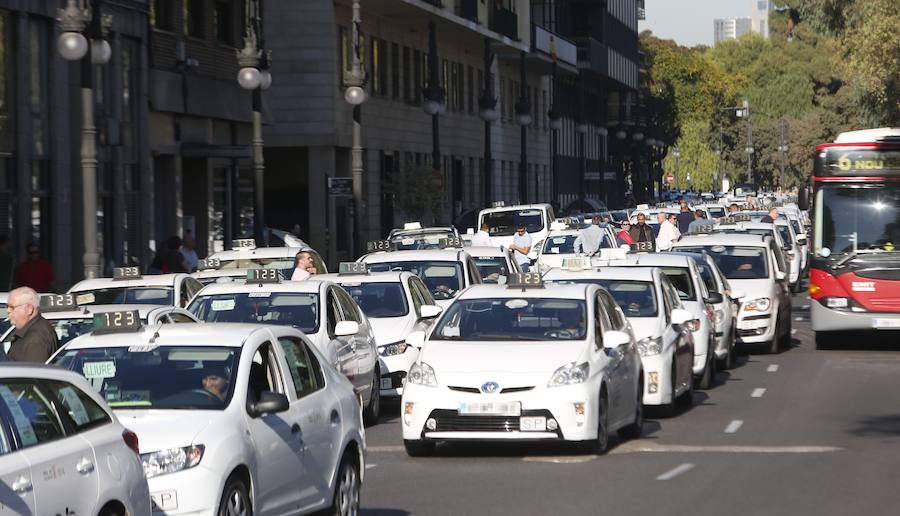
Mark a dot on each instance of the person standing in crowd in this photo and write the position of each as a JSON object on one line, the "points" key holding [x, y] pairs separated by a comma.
{"points": [[304, 267], [7, 265], [522, 246], [34, 339], [35, 272], [191, 260], [668, 234], [699, 220], [173, 260], [733, 208], [770, 217], [641, 232], [589, 238], [483, 237], [623, 237], [685, 217], [751, 202]]}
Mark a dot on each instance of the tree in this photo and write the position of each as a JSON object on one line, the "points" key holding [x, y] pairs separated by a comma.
{"points": [[418, 192]]}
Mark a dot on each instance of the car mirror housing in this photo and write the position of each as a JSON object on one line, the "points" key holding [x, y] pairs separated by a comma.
{"points": [[681, 316], [269, 403], [613, 339], [430, 311], [737, 294], [714, 298], [346, 328], [780, 275]]}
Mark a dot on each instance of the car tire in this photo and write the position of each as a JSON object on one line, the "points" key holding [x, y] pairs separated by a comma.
{"points": [[687, 397], [670, 409], [775, 345], [599, 445], [709, 374], [731, 359], [373, 410], [786, 338], [419, 448], [633, 431], [347, 489], [235, 499]]}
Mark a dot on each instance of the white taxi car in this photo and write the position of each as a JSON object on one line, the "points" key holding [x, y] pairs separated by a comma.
{"points": [[235, 263], [783, 240], [510, 363], [446, 272], [660, 326], [396, 304], [413, 236], [503, 221], [232, 419], [62, 451], [559, 246], [128, 286], [495, 264], [754, 265]]}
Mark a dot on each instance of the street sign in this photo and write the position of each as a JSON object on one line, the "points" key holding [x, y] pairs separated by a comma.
{"points": [[670, 179], [340, 186]]}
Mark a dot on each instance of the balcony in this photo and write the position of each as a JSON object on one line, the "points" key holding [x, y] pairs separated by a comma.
{"points": [[467, 9], [505, 22]]}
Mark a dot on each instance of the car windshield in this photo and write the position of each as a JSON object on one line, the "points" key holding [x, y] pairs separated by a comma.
{"points": [[380, 299], [736, 262], [167, 377], [504, 223], [300, 310], [852, 219], [259, 263], [681, 280], [410, 240], [66, 329], [443, 278], [619, 215], [126, 295], [513, 319], [559, 244], [716, 211], [491, 268], [635, 298]]}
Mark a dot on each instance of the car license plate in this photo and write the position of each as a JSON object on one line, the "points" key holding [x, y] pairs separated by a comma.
{"points": [[386, 383], [164, 500], [533, 424], [513, 408], [881, 322], [754, 324]]}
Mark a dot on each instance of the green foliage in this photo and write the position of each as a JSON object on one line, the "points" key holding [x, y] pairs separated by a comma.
{"points": [[418, 192], [697, 158]]}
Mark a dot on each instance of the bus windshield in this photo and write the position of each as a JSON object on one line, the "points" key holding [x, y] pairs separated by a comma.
{"points": [[857, 219]]}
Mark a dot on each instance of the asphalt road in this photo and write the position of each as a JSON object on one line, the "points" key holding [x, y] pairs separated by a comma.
{"points": [[800, 432]]}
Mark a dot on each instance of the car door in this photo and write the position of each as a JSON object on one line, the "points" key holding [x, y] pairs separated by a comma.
{"points": [[420, 296], [64, 478], [363, 343], [278, 445], [631, 360], [318, 412], [684, 354], [339, 348], [16, 486], [616, 363]]}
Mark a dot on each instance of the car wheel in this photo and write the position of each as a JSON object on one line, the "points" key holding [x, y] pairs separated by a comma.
{"points": [[418, 448], [731, 359], [373, 409], [687, 397], [599, 445], [709, 373], [346, 491], [775, 345], [786, 338], [235, 499], [671, 408], [633, 431]]}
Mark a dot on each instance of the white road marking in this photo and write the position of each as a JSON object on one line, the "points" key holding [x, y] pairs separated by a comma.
{"points": [[758, 392], [385, 449], [672, 473], [734, 426], [370, 466], [772, 368], [575, 459], [644, 446]]}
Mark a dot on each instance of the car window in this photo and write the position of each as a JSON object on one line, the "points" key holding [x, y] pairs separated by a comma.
{"points": [[615, 317], [333, 312], [681, 280], [84, 412], [474, 273], [416, 296], [180, 318], [779, 257], [33, 416], [306, 374], [265, 374], [601, 321], [351, 311], [425, 294]]}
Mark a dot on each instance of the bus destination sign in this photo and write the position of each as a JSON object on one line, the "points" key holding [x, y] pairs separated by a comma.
{"points": [[842, 161]]}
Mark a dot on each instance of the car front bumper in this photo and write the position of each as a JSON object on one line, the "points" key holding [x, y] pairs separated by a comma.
{"points": [[755, 328], [826, 319], [657, 379], [190, 492], [394, 369]]}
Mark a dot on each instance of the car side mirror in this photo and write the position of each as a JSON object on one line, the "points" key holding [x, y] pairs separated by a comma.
{"points": [[430, 311], [416, 338], [714, 298], [346, 328], [737, 294], [801, 239], [269, 403], [680, 317], [614, 338]]}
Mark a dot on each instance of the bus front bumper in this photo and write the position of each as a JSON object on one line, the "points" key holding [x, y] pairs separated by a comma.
{"points": [[826, 319]]}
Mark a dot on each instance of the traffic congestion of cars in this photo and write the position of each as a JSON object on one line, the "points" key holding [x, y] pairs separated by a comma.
{"points": [[237, 390]]}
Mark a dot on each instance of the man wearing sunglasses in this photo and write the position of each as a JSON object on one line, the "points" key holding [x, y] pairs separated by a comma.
{"points": [[34, 339]]}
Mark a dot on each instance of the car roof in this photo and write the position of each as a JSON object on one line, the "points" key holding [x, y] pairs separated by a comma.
{"points": [[311, 286], [261, 252], [606, 272], [502, 291], [88, 311], [221, 273], [397, 232], [372, 277], [722, 238], [232, 335], [514, 207], [563, 232], [477, 251], [414, 255], [149, 280]]}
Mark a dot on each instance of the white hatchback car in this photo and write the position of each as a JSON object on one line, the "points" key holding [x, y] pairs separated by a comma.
{"points": [[396, 304], [322, 310], [660, 326], [127, 286], [446, 272], [232, 419], [62, 451], [531, 364]]}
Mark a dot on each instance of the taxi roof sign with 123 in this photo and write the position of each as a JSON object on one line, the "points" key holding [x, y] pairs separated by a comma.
{"points": [[350, 268], [117, 322], [263, 276], [58, 302], [126, 273]]}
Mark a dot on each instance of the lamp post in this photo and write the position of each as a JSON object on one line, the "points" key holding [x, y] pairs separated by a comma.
{"points": [[487, 111], [254, 75], [555, 122], [677, 153], [638, 137], [79, 22], [434, 96], [782, 148], [355, 95], [745, 112], [524, 119]]}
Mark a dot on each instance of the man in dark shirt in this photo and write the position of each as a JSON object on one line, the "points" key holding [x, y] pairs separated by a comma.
{"points": [[685, 217], [34, 339], [770, 217], [641, 232]]}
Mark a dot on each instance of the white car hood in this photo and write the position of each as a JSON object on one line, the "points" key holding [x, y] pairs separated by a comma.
{"points": [[753, 288], [480, 358], [391, 329], [644, 327], [162, 429]]}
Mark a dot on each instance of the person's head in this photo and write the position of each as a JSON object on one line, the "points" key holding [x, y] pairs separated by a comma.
{"points": [[520, 229], [303, 260], [4, 243], [626, 225], [215, 380], [173, 243], [485, 227], [22, 306], [698, 214], [569, 319], [33, 251], [596, 220], [733, 208], [749, 199], [673, 218], [773, 213], [660, 217], [641, 218], [189, 241], [683, 205]]}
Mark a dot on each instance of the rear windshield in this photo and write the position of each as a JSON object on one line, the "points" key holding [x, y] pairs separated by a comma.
{"points": [[443, 278], [504, 223], [382, 299], [736, 262], [126, 295], [635, 298], [300, 310], [491, 268]]}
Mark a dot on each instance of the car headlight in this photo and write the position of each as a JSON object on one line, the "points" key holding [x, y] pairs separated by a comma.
{"points": [[171, 460], [570, 374], [395, 348], [650, 346], [421, 374], [758, 305]]}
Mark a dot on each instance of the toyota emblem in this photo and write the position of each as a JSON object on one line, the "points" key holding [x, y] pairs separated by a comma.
{"points": [[490, 387]]}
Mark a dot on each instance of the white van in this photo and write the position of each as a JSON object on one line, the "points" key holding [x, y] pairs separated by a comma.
{"points": [[503, 221]]}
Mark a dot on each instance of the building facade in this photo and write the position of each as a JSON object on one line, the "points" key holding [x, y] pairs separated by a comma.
{"points": [[760, 16], [730, 28]]}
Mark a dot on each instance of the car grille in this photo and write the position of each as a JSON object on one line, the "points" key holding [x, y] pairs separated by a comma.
{"points": [[474, 390], [451, 421], [396, 379], [515, 389], [753, 333]]}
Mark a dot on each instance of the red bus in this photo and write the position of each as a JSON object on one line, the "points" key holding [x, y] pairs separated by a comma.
{"points": [[854, 277]]}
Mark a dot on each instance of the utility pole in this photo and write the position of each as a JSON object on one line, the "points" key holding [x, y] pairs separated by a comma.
{"points": [[782, 149]]}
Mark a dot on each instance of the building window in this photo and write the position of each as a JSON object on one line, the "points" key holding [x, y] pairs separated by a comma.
{"points": [[6, 130], [407, 76], [192, 13], [470, 90], [379, 70], [37, 74], [162, 13], [223, 17], [417, 77], [395, 71]]}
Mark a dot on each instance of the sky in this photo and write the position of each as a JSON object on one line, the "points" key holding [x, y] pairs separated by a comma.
{"points": [[690, 22]]}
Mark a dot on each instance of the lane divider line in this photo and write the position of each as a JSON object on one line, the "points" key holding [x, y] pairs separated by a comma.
{"points": [[672, 473], [772, 368], [734, 426], [758, 392]]}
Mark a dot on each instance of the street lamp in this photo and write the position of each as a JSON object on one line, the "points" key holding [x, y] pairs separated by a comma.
{"points": [[487, 111], [677, 153], [254, 75], [355, 95], [434, 96], [524, 119], [79, 22], [782, 148]]}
